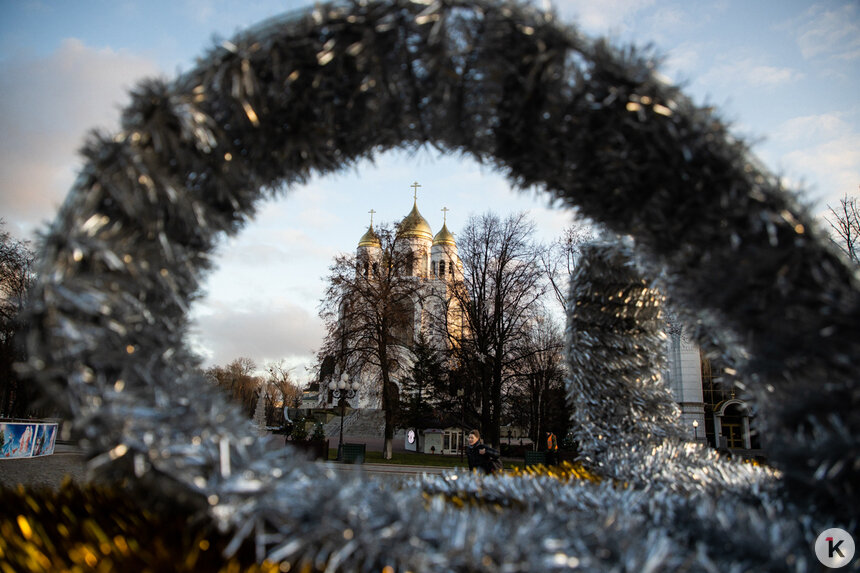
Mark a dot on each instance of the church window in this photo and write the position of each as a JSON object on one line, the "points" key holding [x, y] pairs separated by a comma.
{"points": [[403, 323], [433, 268], [375, 269], [451, 266], [366, 269], [442, 269]]}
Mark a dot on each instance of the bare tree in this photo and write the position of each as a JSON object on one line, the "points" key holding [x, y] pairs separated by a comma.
{"points": [[369, 309], [237, 379], [537, 388], [560, 259], [281, 390], [502, 285], [16, 278], [845, 221]]}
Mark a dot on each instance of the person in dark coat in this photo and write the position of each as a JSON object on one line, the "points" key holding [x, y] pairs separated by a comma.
{"points": [[480, 455]]}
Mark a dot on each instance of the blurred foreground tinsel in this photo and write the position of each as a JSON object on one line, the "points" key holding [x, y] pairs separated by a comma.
{"points": [[738, 257], [98, 528]]}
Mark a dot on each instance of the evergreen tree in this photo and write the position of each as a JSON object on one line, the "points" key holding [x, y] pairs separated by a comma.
{"points": [[425, 388]]}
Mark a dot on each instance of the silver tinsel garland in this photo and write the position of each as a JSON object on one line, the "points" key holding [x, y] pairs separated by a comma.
{"points": [[508, 85], [616, 357], [625, 419]]}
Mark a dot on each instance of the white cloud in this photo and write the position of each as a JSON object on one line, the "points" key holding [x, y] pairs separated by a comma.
{"points": [[683, 61], [605, 16], [666, 22], [250, 254], [829, 31], [46, 107], [749, 72], [834, 164], [229, 16], [273, 245], [264, 332], [820, 151], [812, 128], [551, 222]]}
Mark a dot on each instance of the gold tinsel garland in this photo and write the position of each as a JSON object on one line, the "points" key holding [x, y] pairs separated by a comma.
{"points": [[95, 527]]}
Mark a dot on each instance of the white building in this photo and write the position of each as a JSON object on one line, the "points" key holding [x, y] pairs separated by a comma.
{"points": [[711, 413], [433, 263]]}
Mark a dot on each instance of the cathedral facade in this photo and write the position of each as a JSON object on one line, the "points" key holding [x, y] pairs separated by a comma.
{"points": [[434, 267], [710, 413]]}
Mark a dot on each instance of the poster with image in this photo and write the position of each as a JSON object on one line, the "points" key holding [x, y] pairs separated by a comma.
{"points": [[46, 436], [16, 440]]}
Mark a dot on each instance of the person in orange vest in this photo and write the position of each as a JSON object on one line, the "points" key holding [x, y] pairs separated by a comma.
{"points": [[551, 449]]}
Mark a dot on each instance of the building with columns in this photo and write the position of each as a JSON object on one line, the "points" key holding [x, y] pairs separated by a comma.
{"points": [[710, 413]]}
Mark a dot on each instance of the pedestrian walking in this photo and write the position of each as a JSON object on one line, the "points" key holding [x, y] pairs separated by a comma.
{"points": [[551, 449], [481, 456]]}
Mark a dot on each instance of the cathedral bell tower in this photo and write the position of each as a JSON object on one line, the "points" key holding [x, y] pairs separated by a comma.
{"points": [[432, 262], [369, 251], [415, 239], [445, 265]]}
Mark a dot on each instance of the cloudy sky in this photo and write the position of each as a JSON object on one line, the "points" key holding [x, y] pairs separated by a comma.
{"points": [[786, 73]]}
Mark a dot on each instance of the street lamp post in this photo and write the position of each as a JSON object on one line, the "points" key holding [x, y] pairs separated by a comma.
{"points": [[460, 394], [342, 391], [696, 429]]}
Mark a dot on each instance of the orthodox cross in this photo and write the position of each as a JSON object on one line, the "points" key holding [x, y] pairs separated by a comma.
{"points": [[445, 214], [415, 187], [371, 216]]}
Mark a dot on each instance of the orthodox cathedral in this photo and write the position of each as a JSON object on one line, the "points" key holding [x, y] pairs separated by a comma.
{"points": [[710, 413], [433, 263]]}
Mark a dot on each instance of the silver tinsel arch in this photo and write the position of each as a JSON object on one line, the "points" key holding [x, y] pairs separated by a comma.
{"points": [[504, 84]]}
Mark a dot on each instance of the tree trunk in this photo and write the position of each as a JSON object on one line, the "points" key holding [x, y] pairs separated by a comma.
{"points": [[497, 416], [496, 398], [388, 403], [486, 401], [388, 407], [537, 411]]}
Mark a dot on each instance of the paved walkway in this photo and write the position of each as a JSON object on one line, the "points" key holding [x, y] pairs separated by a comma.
{"points": [[388, 470], [67, 460], [46, 471]]}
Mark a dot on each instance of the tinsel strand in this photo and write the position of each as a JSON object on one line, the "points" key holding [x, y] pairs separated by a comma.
{"points": [[506, 84]]}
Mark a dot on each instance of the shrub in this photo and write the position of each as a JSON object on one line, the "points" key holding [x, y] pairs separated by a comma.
{"points": [[300, 430], [319, 432]]}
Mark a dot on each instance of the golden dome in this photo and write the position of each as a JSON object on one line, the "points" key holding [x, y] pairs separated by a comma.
{"points": [[444, 237], [416, 226], [370, 239]]}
